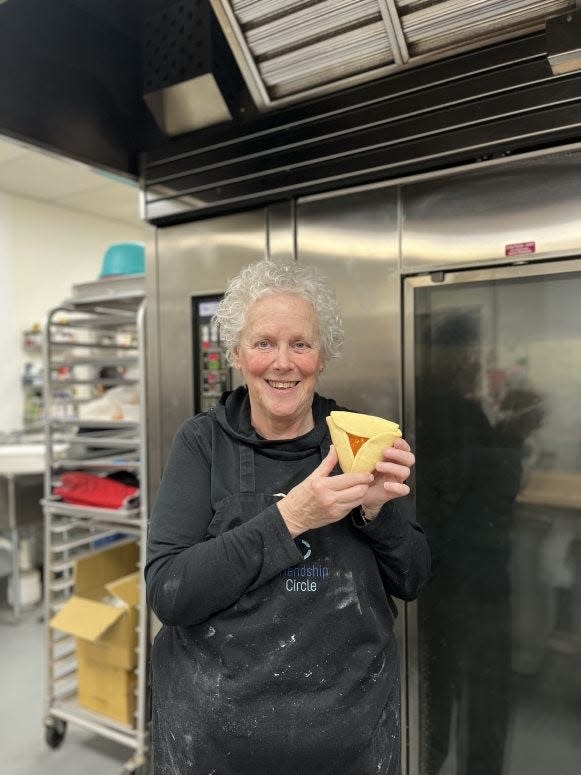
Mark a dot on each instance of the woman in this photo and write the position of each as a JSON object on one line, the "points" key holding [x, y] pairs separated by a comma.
{"points": [[272, 571]]}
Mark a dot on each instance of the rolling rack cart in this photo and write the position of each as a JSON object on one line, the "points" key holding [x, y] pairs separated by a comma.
{"points": [[101, 325]]}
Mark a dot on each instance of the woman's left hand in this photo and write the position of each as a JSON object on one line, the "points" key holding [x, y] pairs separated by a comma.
{"points": [[390, 475]]}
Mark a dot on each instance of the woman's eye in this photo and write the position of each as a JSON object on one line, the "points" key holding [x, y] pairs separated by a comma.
{"points": [[301, 346], [263, 344]]}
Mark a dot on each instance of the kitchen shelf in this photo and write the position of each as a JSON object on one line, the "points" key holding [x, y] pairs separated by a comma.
{"points": [[128, 516], [101, 324]]}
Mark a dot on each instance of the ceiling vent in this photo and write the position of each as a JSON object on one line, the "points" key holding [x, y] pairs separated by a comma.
{"points": [[289, 50]]}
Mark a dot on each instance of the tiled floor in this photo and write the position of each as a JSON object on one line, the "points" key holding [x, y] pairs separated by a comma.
{"points": [[23, 750]]}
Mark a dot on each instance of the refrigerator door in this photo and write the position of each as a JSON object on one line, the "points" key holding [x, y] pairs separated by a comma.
{"points": [[188, 263], [492, 386]]}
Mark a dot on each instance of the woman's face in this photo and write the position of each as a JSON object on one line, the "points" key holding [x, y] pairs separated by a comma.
{"points": [[280, 359]]}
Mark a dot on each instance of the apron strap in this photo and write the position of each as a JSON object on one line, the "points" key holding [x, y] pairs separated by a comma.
{"points": [[247, 479]]}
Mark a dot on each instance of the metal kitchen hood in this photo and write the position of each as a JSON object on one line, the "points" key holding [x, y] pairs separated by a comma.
{"points": [[291, 50]]}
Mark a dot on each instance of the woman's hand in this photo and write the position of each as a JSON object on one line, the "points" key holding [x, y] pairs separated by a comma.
{"points": [[390, 476], [322, 499]]}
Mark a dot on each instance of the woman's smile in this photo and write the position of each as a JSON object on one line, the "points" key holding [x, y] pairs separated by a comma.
{"points": [[278, 385]]}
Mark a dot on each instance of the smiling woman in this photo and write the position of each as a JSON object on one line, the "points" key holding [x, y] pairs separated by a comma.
{"points": [[257, 537], [280, 359]]}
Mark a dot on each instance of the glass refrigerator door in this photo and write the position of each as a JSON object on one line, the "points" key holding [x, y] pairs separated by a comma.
{"points": [[212, 373], [493, 395]]}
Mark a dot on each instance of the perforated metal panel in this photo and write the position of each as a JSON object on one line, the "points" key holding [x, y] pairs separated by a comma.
{"points": [[175, 44], [190, 79]]}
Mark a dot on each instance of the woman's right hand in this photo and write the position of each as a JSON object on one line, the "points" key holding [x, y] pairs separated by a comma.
{"points": [[322, 499]]}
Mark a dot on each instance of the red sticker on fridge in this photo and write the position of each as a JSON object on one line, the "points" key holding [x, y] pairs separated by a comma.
{"points": [[519, 248]]}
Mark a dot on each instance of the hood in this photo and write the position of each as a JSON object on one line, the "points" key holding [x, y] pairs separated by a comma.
{"points": [[290, 50], [233, 415]]}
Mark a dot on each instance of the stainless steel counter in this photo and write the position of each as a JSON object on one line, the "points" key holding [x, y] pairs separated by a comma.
{"points": [[21, 488]]}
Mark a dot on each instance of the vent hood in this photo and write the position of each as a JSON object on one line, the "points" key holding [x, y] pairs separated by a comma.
{"points": [[291, 50]]}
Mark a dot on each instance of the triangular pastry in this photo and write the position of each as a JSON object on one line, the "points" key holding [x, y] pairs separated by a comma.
{"points": [[360, 438]]}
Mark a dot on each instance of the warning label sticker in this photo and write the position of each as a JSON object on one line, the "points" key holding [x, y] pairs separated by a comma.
{"points": [[519, 248]]}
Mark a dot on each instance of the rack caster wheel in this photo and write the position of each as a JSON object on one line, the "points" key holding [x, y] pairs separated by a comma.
{"points": [[54, 732], [133, 768]]}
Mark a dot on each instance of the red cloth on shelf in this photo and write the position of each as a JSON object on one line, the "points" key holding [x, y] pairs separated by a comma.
{"points": [[82, 489]]}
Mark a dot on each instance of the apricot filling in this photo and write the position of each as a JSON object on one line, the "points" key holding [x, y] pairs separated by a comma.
{"points": [[356, 442]]}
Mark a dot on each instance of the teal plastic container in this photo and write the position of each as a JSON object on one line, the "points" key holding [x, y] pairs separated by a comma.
{"points": [[123, 258]]}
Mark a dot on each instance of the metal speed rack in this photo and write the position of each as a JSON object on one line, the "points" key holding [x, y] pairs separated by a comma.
{"points": [[101, 325]]}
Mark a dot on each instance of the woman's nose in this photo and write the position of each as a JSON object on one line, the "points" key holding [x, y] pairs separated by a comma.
{"points": [[282, 360]]}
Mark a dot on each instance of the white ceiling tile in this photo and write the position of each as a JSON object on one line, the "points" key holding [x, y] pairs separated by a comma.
{"points": [[45, 177], [10, 150], [32, 173], [109, 199]]}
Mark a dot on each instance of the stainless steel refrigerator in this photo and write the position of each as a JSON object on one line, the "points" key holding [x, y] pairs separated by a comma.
{"points": [[461, 302]]}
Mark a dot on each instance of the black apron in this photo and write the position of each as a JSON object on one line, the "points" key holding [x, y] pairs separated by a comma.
{"points": [[300, 676]]}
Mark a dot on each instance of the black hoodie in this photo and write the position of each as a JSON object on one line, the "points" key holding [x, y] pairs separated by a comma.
{"points": [[277, 656]]}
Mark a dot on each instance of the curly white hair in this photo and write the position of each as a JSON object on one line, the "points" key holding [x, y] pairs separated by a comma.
{"points": [[264, 277]]}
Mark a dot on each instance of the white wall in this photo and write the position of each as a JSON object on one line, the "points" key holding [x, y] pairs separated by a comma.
{"points": [[44, 250], [10, 400]]}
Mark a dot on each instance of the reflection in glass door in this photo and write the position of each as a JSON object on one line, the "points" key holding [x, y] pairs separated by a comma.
{"points": [[493, 398]]}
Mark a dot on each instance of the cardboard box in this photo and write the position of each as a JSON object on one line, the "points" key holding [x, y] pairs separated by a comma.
{"points": [[102, 615], [105, 689]]}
